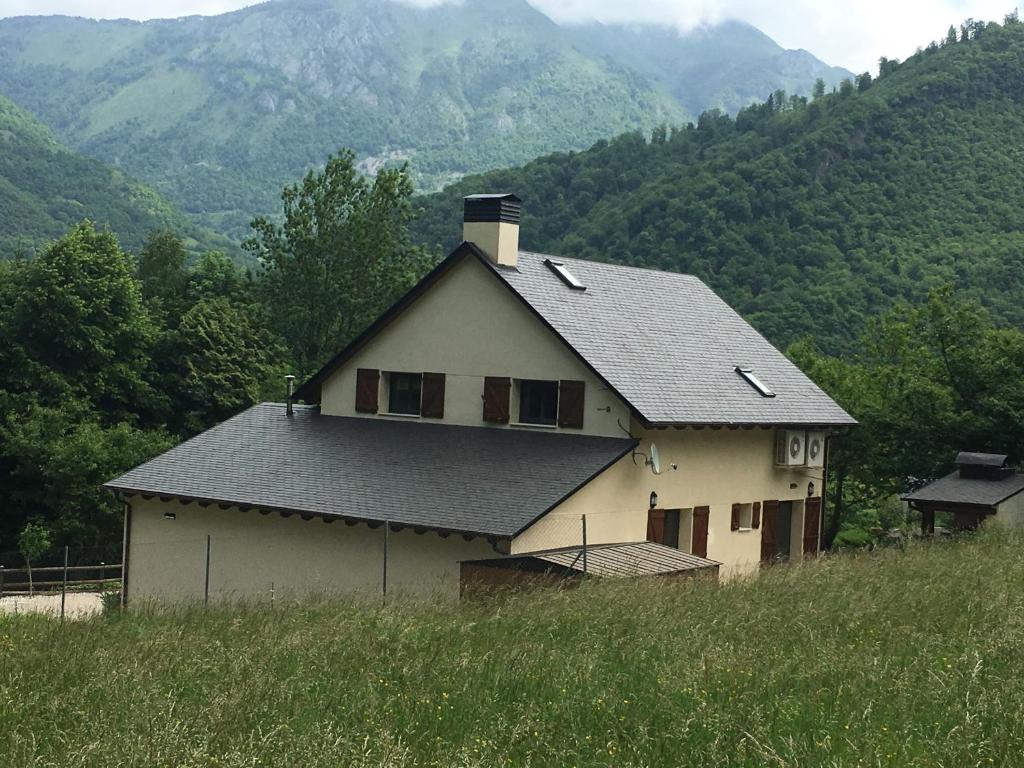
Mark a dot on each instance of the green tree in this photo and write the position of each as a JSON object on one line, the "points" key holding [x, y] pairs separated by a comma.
{"points": [[342, 255], [33, 541], [818, 92], [162, 272]]}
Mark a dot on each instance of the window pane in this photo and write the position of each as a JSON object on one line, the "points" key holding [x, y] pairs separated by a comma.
{"points": [[538, 402], [404, 393]]}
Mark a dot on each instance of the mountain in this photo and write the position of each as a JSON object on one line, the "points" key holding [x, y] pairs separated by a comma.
{"points": [[219, 113], [809, 218], [726, 66], [45, 188]]}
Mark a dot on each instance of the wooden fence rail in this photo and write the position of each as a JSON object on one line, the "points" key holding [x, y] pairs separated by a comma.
{"points": [[10, 587]]}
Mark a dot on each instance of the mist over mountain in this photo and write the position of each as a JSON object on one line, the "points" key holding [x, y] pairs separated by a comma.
{"points": [[218, 113]]}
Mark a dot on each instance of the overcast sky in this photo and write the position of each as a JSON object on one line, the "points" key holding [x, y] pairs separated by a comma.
{"points": [[852, 35]]}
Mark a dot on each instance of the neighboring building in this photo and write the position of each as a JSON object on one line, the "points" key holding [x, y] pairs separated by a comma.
{"points": [[505, 397], [980, 487]]}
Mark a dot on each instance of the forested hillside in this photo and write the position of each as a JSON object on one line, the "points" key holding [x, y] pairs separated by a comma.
{"points": [[45, 188], [219, 113], [809, 216]]}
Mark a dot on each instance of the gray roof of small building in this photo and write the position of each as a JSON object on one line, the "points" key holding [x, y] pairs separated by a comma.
{"points": [[488, 481], [954, 489], [969, 458], [669, 345], [639, 558]]}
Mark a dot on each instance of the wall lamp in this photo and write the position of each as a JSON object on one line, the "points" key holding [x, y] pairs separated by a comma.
{"points": [[810, 489], [654, 500]]}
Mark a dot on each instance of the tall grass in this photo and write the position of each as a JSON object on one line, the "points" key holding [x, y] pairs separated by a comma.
{"points": [[909, 658]]}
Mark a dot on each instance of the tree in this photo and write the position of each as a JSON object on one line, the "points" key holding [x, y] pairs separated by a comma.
{"points": [[340, 257], [819, 89], [162, 271], [33, 541]]}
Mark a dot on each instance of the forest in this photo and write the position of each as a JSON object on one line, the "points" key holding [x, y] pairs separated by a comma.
{"points": [[874, 233]]}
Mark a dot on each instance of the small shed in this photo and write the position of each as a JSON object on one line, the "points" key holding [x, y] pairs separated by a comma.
{"points": [[570, 564], [981, 486]]}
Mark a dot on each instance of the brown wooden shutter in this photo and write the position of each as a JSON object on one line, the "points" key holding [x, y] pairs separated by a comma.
{"points": [[700, 531], [734, 524], [570, 404], [432, 406], [496, 397], [656, 526], [771, 519], [755, 516], [367, 389], [812, 526]]}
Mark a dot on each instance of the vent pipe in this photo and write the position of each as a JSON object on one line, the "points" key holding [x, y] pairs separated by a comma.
{"points": [[291, 387], [491, 223]]}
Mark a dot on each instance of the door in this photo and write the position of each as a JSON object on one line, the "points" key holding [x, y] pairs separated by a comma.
{"points": [[700, 531], [769, 526], [812, 526], [663, 527]]}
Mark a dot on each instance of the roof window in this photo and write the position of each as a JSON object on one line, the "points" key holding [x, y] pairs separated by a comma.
{"points": [[755, 382], [563, 272]]}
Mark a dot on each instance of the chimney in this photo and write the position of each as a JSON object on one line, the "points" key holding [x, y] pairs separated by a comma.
{"points": [[491, 223], [291, 386]]}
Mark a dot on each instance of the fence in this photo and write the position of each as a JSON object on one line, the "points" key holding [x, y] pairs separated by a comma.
{"points": [[74, 574]]}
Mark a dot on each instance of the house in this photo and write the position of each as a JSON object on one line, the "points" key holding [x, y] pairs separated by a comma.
{"points": [[510, 407], [982, 486]]}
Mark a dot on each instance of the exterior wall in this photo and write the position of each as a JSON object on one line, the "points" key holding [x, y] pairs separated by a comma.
{"points": [[469, 326], [716, 468], [499, 240], [250, 552], [1011, 512]]}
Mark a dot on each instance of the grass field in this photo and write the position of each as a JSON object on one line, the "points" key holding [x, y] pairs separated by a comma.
{"points": [[909, 658]]}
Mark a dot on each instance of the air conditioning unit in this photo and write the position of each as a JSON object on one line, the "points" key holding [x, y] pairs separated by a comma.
{"points": [[791, 448], [816, 449]]}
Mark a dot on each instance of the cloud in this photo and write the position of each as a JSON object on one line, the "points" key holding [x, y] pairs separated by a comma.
{"points": [[853, 35]]}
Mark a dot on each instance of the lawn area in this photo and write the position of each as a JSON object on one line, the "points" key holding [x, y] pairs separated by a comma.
{"points": [[911, 658]]}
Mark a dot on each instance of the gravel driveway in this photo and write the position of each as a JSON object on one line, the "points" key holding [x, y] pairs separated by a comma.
{"points": [[79, 605]]}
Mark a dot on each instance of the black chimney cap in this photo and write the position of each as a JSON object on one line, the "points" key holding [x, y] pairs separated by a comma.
{"points": [[504, 207]]}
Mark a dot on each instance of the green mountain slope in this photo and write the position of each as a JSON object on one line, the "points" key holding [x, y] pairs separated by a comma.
{"points": [[45, 188], [808, 218], [219, 113]]}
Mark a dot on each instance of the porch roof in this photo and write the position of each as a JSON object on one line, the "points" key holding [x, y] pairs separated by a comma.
{"points": [[637, 558]]}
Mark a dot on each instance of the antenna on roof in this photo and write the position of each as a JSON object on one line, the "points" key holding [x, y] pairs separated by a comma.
{"points": [[291, 386]]}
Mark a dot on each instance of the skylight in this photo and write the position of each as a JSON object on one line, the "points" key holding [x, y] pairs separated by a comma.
{"points": [[755, 382], [563, 272]]}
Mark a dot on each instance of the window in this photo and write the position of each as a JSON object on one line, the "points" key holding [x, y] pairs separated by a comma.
{"points": [[755, 382], [538, 402], [742, 517], [404, 393], [566, 276]]}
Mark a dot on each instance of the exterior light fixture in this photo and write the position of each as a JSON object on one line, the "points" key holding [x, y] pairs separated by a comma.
{"points": [[169, 516], [810, 488], [654, 500]]}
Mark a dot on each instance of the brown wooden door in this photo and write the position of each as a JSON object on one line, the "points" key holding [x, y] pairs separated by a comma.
{"points": [[812, 526], [700, 530], [769, 525], [656, 526]]}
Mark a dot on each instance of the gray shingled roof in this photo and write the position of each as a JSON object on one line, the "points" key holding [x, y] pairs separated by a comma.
{"points": [[639, 558], [466, 479], [668, 345], [954, 489]]}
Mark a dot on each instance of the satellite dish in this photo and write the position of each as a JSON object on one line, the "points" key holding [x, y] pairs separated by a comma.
{"points": [[654, 462]]}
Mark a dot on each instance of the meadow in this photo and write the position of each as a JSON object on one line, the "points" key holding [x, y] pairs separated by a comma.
{"points": [[895, 658]]}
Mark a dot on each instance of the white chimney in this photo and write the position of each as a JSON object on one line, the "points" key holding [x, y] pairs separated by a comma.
{"points": [[491, 223]]}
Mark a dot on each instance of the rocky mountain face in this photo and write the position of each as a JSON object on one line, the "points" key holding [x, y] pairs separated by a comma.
{"points": [[219, 113]]}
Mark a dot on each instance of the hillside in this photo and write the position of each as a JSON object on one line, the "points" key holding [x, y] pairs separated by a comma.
{"points": [[219, 113], [810, 218], [45, 189], [887, 659]]}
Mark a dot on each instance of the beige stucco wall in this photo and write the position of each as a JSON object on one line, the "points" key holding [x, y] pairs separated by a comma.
{"points": [[250, 552], [1011, 512], [469, 326], [716, 468]]}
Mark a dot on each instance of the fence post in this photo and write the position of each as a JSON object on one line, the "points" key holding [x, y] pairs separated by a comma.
{"points": [[584, 545], [64, 585], [206, 582], [384, 577]]}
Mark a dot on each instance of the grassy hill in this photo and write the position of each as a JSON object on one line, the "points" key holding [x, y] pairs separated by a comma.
{"points": [[45, 189], [887, 659], [219, 113], [810, 218]]}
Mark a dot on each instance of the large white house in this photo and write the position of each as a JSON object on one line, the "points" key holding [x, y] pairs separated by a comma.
{"points": [[474, 425]]}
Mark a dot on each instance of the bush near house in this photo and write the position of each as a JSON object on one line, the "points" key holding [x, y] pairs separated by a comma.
{"points": [[893, 658]]}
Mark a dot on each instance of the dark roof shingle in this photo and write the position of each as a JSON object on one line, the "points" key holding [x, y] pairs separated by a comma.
{"points": [[466, 479]]}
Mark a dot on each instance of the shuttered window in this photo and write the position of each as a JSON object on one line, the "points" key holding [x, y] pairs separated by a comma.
{"points": [[496, 399], [734, 523], [812, 526], [755, 516], [367, 389], [433, 396], [571, 395]]}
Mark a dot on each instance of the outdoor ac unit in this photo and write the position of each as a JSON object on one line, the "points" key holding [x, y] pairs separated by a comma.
{"points": [[815, 449], [791, 448]]}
